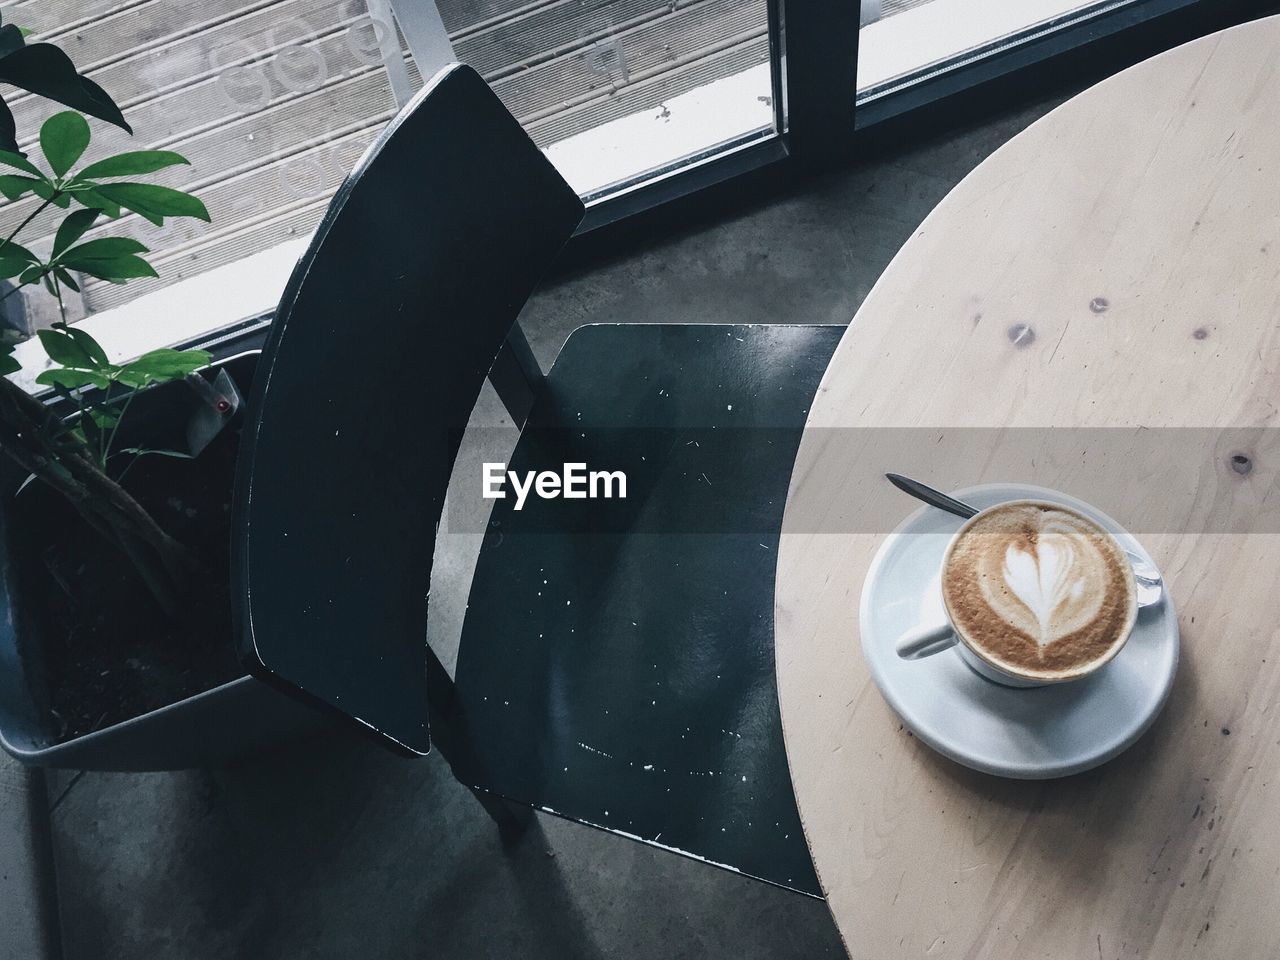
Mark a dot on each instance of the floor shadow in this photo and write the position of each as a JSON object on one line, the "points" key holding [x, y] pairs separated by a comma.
{"points": [[334, 849]]}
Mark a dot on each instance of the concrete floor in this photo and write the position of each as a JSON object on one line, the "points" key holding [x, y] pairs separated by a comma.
{"points": [[340, 850]]}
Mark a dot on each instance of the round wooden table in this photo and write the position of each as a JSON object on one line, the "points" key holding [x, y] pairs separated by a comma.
{"points": [[1116, 265]]}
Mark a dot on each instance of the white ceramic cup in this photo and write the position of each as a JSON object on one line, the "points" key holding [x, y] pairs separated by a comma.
{"points": [[927, 639]]}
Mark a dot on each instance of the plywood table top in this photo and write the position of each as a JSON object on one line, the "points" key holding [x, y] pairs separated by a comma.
{"points": [[1114, 268]]}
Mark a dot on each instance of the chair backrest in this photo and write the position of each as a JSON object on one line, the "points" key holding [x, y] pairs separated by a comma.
{"points": [[377, 354]]}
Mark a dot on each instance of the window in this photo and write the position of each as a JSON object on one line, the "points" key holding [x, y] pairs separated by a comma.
{"points": [[635, 101], [272, 103], [617, 89]]}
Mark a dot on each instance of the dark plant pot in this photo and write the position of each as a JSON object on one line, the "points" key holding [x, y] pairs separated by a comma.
{"points": [[231, 721], [228, 724]]}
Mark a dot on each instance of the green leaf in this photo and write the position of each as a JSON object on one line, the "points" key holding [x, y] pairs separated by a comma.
{"points": [[73, 227], [8, 130], [90, 197], [103, 248], [8, 363], [31, 274], [72, 379], [133, 164], [22, 163], [154, 202], [46, 191], [15, 186], [162, 365], [113, 269], [11, 38], [43, 69], [93, 350], [64, 138], [64, 349], [93, 434], [66, 279], [15, 259], [104, 418], [12, 248]]}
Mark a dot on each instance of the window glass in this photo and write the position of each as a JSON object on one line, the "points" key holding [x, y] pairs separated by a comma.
{"points": [[902, 41], [617, 89], [271, 102]]}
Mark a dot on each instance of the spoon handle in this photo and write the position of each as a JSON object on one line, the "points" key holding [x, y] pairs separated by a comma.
{"points": [[935, 498]]}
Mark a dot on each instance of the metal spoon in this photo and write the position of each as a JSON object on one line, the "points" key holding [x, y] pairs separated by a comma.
{"points": [[1145, 575]]}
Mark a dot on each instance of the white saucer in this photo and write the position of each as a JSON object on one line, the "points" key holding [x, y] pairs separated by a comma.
{"points": [[1034, 734]]}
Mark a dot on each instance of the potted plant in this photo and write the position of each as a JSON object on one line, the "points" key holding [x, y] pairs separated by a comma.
{"points": [[115, 641]]}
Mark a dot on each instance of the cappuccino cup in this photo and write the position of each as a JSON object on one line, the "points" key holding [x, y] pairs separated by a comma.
{"points": [[1034, 593]]}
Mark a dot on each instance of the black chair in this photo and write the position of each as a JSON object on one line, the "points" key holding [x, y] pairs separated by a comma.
{"points": [[616, 661]]}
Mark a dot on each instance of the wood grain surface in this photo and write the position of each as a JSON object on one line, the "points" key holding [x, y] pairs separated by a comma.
{"points": [[1116, 265]]}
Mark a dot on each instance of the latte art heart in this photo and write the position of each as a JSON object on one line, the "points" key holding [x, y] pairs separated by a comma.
{"points": [[1038, 589], [1047, 592]]}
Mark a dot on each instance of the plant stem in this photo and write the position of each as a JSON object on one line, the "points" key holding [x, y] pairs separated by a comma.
{"points": [[79, 394], [15, 290], [164, 564], [35, 213], [111, 437], [57, 292]]}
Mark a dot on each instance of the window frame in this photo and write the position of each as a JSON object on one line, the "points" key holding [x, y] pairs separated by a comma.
{"points": [[813, 46], [820, 120]]}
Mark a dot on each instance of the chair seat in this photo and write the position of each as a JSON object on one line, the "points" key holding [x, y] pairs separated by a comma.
{"points": [[616, 664]]}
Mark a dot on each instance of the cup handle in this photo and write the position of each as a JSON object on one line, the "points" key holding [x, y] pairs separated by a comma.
{"points": [[925, 640]]}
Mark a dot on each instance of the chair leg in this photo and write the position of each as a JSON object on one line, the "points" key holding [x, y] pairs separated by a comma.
{"points": [[448, 735], [513, 819]]}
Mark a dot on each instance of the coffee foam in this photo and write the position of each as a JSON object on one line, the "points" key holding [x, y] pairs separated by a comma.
{"points": [[1039, 590]]}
